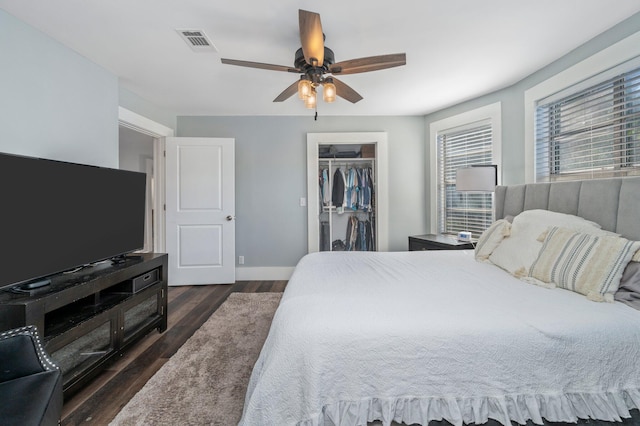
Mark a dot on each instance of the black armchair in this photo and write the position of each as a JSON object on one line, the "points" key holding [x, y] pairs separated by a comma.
{"points": [[30, 383]]}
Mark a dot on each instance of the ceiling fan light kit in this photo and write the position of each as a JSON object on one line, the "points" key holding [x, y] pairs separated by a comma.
{"points": [[313, 60]]}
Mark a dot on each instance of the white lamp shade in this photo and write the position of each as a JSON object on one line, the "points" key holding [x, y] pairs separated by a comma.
{"points": [[476, 179]]}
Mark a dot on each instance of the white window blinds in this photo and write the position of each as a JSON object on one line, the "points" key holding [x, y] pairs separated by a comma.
{"points": [[462, 147], [591, 133]]}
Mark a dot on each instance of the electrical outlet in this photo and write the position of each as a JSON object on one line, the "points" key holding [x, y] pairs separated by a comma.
{"points": [[303, 202], [240, 260]]}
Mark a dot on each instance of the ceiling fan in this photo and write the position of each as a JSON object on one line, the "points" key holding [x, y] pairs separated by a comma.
{"points": [[315, 64]]}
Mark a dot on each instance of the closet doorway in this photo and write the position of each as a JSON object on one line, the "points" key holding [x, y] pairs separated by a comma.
{"points": [[326, 224]]}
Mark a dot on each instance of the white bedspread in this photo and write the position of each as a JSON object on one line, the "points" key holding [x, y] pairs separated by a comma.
{"points": [[419, 336]]}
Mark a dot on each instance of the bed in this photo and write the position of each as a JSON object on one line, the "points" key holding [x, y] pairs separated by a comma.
{"points": [[415, 337]]}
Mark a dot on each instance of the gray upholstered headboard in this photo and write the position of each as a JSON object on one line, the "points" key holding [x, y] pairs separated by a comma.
{"points": [[613, 203]]}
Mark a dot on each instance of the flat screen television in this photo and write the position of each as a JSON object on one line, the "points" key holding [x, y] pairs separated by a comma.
{"points": [[57, 216]]}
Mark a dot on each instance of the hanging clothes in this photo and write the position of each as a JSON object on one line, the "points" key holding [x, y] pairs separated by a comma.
{"points": [[352, 230], [340, 210], [366, 190], [325, 236], [337, 192], [360, 188], [348, 189], [353, 186], [361, 240], [371, 242], [359, 235], [325, 193]]}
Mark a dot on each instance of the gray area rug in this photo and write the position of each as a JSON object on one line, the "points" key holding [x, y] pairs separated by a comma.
{"points": [[204, 383]]}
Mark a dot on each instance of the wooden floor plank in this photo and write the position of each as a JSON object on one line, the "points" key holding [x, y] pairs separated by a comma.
{"points": [[278, 286], [247, 286], [189, 307]]}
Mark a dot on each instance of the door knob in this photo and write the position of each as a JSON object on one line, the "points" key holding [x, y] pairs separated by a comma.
{"points": [[230, 218]]}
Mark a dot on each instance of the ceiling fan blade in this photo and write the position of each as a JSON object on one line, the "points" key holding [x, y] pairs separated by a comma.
{"points": [[311, 37], [371, 63], [287, 93], [259, 65], [346, 92]]}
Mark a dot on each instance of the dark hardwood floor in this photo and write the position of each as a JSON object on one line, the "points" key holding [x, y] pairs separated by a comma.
{"points": [[189, 307]]}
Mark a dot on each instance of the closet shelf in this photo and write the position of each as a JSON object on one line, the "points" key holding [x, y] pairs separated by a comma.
{"points": [[333, 209]]}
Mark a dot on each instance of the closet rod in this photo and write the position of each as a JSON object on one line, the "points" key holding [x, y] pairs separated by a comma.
{"points": [[347, 160]]}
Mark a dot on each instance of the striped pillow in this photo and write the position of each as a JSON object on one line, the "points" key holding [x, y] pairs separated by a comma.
{"points": [[587, 264], [490, 239]]}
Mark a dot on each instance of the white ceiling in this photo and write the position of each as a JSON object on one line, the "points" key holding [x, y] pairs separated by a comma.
{"points": [[456, 49]]}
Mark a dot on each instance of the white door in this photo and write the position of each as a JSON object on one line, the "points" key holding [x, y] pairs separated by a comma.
{"points": [[200, 217]]}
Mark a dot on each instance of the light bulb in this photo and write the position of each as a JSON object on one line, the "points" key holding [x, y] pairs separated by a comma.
{"points": [[304, 88], [328, 91], [310, 101]]}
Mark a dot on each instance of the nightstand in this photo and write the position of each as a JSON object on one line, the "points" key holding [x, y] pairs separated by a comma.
{"points": [[437, 242]]}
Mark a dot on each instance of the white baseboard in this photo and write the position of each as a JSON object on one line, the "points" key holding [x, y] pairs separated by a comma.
{"points": [[271, 273]]}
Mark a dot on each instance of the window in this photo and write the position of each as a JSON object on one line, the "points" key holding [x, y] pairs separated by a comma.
{"points": [[590, 132], [463, 147], [470, 138]]}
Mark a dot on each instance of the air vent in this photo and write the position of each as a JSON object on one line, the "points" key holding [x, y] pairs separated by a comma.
{"points": [[197, 40]]}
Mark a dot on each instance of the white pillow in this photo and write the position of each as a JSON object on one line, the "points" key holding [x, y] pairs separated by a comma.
{"points": [[490, 239], [517, 252], [587, 264]]}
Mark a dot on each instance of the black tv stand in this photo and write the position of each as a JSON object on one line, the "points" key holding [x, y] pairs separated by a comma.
{"points": [[88, 318]]}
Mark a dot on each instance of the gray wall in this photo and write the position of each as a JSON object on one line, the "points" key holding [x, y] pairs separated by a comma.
{"points": [[135, 103], [512, 98], [271, 173], [54, 103]]}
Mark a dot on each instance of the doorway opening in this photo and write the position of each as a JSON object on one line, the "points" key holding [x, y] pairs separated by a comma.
{"points": [[135, 154], [142, 146]]}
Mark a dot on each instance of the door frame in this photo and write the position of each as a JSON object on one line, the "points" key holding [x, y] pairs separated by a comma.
{"points": [[314, 140], [159, 132]]}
